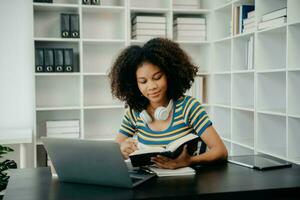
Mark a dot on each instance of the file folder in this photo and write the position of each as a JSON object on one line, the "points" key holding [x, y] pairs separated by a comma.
{"points": [[58, 60], [86, 2], [95, 2], [39, 60], [65, 25], [68, 60], [74, 25], [49, 60]]}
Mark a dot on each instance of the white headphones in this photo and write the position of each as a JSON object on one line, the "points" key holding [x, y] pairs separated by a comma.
{"points": [[160, 113]]}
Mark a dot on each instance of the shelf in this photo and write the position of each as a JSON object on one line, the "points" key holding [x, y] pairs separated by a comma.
{"points": [[191, 11], [61, 40], [222, 121], [271, 133], [59, 7], [98, 57], [222, 61], [240, 53], [222, 89], [222, 22], [102, 41], [221, 106], [293, 47], [150, 10], [241, 83], [103, 107], [97, 92], [223, 5], [272, 112], [57, 91], [243, 108], [293, 93], [49, 115], [98, 123], [243, 71], [270, 54], [293, 11], [274, 29], [97, 9], [58, 108], [58, 74], [243, 127], [269, 98], [243, 35], [47, 20], [153, 4], [93, 24]]}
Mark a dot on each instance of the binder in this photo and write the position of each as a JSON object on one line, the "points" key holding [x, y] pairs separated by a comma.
{"points": [[58, 60], [65, 25], [68, 60], [49, 60], [41, 155], [95, 2], [74, 25], [86, 2], [39, 60]]}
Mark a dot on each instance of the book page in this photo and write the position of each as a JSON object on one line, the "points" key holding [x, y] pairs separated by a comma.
{"points": [[173, 172], [175, 144], [143, 149]]}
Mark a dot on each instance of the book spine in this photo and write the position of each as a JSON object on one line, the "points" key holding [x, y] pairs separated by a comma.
{"points": [[147, 19], [62, 123], [190, 27], [272, 23], [186, 20], [148, 26], [148, 32]]}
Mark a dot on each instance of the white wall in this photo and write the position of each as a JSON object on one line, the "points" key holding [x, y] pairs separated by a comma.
{"points": [[16, 68]]}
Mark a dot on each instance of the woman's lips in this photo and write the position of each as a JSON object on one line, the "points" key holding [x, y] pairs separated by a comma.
{"points": [[155, 94]]}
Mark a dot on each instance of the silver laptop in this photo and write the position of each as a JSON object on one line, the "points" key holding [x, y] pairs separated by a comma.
{"points": [[92, 162]]}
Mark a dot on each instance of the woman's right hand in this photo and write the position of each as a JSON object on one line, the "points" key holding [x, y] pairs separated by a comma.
{"points": [[128, 146]]}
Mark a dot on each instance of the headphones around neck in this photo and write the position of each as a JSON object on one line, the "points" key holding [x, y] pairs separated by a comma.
{"points": [[160, 113]]}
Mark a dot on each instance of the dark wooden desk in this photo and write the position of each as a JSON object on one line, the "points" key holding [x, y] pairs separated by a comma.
{"points": [[226, 181]]}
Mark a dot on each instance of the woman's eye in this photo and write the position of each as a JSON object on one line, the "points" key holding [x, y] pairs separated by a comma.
{"points": [[157, 77]]}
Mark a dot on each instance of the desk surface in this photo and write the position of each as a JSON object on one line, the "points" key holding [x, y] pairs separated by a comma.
{"points": [[226, 181]]}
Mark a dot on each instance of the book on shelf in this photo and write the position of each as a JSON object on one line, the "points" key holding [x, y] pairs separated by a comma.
{"points": [[184, 171], [272, 23], [251, 14], [274, 14], [244, 9], [149, 19], [235, 20], [151, 26], [149, 32], [189, 20], [249, 20], [190, 27], [63, 128], [249, 30], [143, 156], [249, 26]]}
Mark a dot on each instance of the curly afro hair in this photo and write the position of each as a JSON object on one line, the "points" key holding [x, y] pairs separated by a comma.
{"points": [[165, 54]]}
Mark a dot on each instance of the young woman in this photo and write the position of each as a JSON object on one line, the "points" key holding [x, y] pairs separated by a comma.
{"points": [[152, 80]]}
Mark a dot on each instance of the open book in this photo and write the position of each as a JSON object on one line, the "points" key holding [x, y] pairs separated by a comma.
{"points": [[184, 171], [142, 157]]}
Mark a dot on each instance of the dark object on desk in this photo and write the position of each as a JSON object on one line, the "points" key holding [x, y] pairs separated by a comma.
{"points": [[91, 162], [260, 162]]}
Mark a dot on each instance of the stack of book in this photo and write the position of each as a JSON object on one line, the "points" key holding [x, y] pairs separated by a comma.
{"points": [[147, 27], [186, 4], [249, 22], [63, 128], [239, 14], [187, 28], [273, 19]]}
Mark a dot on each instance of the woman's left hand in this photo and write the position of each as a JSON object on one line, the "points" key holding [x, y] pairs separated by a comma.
{"points": [[183, 160]]}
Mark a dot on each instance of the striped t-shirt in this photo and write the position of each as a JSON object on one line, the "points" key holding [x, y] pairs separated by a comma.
{"points": [[188, 117]]}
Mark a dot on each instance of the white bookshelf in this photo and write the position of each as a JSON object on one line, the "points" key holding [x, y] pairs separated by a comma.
{"points": [[253, 110]]}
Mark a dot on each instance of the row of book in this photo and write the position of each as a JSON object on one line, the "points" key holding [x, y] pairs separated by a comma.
{"points": [[147, 27], [188, 28], [186, 4], [272, 19], [69, 25], [243, 19], [54, 60]]}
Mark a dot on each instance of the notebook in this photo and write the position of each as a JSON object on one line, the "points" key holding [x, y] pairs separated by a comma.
{"points": [[260, 162]]}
